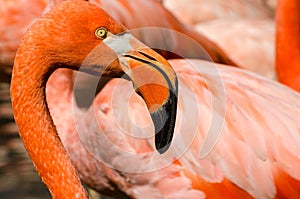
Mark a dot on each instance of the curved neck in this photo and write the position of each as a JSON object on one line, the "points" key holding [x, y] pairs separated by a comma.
{"points": [[37, 129], [288, 42]]}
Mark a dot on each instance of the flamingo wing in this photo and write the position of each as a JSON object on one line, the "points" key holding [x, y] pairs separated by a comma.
{"points": [[259, 141], [233, 127]]}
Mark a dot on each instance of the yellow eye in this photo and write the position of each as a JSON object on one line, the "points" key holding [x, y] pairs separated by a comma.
{"points": [[101, 32]]}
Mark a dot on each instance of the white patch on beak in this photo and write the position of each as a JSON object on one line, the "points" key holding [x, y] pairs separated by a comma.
{"points": [[119, 43]]}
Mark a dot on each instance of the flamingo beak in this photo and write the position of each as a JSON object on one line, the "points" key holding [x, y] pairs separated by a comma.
{"points": [[154, 79]]}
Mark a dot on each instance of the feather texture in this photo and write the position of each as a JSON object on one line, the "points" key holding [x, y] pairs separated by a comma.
{"points": [[253, 145]]}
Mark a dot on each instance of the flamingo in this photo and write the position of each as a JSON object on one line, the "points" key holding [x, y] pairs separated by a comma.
{"points": [[95, 26], [256, 154]]}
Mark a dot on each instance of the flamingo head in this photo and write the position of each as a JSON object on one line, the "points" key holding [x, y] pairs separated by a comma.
{"points": [[79, 35]]}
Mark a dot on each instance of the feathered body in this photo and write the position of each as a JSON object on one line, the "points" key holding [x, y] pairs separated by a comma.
{"points": [[255, 155]]}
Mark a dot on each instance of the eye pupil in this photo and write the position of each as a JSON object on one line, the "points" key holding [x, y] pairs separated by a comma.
{"points": [[101, 33]]}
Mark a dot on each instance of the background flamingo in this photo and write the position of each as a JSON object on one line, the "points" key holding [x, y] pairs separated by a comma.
{"points": [[288, 44], [188, 11], [273, 155], [244, 29], [16, 17]]}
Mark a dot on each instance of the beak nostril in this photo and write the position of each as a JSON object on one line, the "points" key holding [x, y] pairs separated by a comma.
{"points": [[148, 56]]}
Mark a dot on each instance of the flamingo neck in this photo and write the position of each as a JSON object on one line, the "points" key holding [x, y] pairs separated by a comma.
{"points": [[288, 43], [37, 129]]}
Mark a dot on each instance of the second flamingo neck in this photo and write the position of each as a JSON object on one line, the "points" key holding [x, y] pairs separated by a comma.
{"points": [[288, 43]]}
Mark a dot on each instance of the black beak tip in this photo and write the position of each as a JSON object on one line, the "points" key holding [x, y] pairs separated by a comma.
{"points": [[164, 122]]}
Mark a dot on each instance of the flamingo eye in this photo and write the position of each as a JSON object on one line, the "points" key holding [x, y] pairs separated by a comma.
{"points": [[101, 32]]}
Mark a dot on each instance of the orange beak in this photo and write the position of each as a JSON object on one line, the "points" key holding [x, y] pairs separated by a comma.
{"points": [[154, 79]]}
